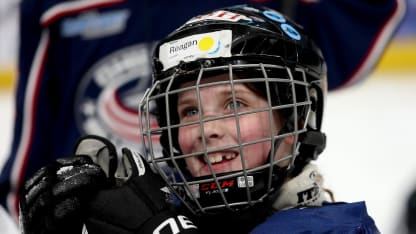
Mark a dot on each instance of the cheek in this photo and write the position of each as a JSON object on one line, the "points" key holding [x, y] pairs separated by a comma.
{"points": [[185, 137], [257, 154], [193, 164], [253, 128]]}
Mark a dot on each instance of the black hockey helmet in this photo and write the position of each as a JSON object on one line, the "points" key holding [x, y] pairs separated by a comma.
{"points": [[254, 45]]}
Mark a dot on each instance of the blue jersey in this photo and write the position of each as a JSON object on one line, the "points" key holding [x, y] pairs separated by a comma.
{"points": [[348, 218], [83, 66]]}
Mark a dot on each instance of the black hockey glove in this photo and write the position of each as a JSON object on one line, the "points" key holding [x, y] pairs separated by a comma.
{"points": [[53, 199], [140, 205]]}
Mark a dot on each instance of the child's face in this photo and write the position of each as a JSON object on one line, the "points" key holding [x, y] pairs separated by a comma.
{"points": [[217, 101]]}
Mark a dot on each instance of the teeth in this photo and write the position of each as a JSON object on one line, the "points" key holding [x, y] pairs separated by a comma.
{"points": [[218, 157], [228, 157]]}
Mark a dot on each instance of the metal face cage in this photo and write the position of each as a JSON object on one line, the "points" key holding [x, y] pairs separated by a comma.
{"points": [[286, 92]]}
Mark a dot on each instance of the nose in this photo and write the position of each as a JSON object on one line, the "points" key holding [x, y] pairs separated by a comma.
{"points": [[212, 130]]}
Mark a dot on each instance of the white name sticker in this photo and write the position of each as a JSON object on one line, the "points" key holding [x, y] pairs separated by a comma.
{"points": [[207, 45]]}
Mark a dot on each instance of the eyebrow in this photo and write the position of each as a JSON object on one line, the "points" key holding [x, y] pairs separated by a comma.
{"points": [[226, 91]]}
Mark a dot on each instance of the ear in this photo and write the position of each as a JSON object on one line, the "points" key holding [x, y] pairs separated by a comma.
{"points": [[289, 140]]}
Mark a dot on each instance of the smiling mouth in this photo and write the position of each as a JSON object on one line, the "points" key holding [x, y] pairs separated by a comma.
{"points": [[219, 157]]}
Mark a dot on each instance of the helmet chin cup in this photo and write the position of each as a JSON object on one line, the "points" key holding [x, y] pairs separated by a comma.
{"points": [[232, 191]]}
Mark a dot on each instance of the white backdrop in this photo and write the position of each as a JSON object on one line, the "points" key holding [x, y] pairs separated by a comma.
{"points": [[370, 129]]}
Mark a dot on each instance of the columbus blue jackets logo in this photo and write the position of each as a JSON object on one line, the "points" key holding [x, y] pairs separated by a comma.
{"points": [[107, 98]]}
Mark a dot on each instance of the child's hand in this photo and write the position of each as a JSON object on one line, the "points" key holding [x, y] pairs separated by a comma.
{"points": [[52, 200]]}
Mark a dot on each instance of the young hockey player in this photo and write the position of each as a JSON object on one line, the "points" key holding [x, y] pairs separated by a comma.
{"points": [[239, 95]]}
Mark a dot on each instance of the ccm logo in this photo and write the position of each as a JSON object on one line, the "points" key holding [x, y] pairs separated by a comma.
{"points": [[174, 225], [213, 185]]}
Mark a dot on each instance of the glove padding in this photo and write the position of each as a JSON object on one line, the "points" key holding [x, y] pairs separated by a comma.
{"points": [[53, 199], [141, 205], [87, 189]]}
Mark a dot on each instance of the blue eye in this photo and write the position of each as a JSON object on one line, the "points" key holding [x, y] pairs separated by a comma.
{"points": [[190, 112], [238, 105]]}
